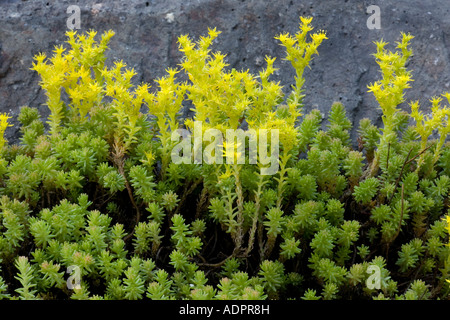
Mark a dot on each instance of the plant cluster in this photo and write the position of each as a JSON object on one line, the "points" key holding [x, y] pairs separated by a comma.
{"points": [[94, 187]]}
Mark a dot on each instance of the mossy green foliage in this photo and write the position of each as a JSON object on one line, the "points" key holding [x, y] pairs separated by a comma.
{"points": [[96, 188]]}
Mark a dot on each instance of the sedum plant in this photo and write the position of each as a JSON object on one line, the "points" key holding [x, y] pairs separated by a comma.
{"points": [[93, 205]]}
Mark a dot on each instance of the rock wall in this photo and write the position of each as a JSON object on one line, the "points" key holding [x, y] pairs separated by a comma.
{"points": [[147, 31]]}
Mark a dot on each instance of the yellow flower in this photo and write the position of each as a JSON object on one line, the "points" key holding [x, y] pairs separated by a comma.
{"points": [[3, 125], [380, 45], [283, 37], [71, 34], [305, 26], [306, 20], [149, 158], [319, 37], [447, 96], [4, 121], [375, 87], [213, 33], [59, 50]]}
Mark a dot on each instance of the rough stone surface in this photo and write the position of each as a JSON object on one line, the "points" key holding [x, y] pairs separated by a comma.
{"points": [[147, 31]]}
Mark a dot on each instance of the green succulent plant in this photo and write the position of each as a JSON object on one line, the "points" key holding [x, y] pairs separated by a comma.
{"points": [[97, 191]]}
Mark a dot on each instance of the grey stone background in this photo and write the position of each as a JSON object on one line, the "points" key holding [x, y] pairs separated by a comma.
{"points": [[147, 31]]}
